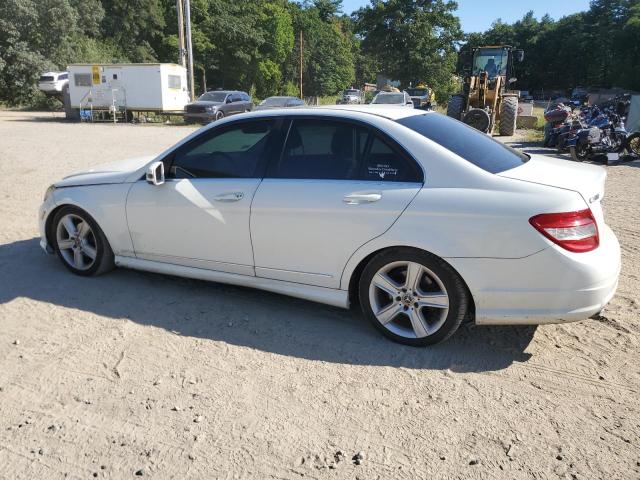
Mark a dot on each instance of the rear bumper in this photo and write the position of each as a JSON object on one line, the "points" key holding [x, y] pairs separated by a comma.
{"points": [[551, 286], [50, 87]]}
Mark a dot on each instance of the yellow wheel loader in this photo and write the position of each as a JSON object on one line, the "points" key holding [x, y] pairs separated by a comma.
{"points": [[486, 98]]}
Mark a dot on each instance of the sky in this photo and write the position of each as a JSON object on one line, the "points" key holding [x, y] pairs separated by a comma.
{"points": [[478, 15]]}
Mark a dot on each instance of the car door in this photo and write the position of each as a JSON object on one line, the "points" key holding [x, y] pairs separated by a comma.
{"points": [[236, 103], [200, 216], [335, 186], [247, 105]]}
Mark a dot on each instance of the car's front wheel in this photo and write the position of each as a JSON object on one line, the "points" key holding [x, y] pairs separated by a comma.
{"points": [[413, 297], [80, 243]]}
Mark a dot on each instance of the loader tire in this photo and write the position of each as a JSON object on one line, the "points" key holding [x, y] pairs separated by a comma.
{"points": [[508, 116], [455, 107]]}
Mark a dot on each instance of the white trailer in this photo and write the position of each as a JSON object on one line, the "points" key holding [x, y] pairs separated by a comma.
{"points": [[129, 87]]}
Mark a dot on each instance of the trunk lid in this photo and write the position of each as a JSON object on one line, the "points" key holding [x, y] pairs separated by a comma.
{"points": [[588, 180]]}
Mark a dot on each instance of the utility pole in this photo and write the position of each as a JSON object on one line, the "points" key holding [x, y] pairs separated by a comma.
{"points": [[301, 46], [181, 53], [187, 17]]}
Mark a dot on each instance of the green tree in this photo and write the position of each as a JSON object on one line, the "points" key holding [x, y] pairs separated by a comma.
{"points": [[414, 41]]}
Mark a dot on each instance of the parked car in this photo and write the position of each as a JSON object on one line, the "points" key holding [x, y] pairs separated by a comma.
{"points": [[422, 97], [52, 83], [216, 105], [279, 102], [415, 217], [350, 96], [525, 96], [393, 98]]}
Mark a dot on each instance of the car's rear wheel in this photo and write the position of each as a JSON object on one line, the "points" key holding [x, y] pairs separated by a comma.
{"points": [[413, 297], [80, 243]]}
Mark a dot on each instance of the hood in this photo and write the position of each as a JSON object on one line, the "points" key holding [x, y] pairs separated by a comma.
{"points": [[116, 172], [205, 103]]}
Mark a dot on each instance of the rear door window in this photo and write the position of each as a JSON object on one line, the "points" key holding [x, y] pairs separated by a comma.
{"points": [[336, 150], [466, 142], [318, 149]]}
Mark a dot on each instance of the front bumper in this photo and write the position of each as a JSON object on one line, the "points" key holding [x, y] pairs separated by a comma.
{"points": [[551, 286], [43, 214], [204, 117]]}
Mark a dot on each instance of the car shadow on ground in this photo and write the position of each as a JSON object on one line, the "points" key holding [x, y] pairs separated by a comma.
{"points": [[247, 317]]}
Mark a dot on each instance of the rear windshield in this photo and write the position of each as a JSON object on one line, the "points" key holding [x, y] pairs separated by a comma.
{"points": [[466, 142]]}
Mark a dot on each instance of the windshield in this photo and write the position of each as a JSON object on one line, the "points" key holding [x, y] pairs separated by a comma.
{"points": [[213, 97], [275, 101], [389, 98], [490, 60], [466, 142], [417, 92]]}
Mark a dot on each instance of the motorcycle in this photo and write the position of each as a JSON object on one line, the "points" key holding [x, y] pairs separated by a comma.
{"points": [[605, 134], [555, 118]]}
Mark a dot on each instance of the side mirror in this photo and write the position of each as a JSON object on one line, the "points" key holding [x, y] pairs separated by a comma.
{"points": [[155, 173], [228, 100], [519, 55]]}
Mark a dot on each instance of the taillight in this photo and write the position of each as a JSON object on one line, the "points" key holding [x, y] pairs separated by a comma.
{"points": [[574, 231]]}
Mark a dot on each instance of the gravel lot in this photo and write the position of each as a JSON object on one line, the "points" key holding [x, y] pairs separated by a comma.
{"points": [[138, 374]]}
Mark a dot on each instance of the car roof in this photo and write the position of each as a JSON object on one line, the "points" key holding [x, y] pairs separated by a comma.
{"points": [[224, 91], [390, 112]]}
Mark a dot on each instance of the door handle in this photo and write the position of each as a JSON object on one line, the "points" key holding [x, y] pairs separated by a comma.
{"points": [[360, 198], [229, 197]]}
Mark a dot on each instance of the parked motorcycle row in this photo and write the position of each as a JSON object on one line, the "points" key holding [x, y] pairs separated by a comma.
{"points": [[588, 132]]}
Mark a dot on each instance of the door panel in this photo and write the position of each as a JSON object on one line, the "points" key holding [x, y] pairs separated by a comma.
{"points": [[194, 222], [306, 230]]}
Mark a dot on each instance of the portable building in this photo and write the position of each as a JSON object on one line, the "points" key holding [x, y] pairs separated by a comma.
{"points": [[145, 87]]}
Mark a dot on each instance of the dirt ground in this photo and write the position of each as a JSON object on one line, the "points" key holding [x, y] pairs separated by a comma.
{"points": [[134, 374]]}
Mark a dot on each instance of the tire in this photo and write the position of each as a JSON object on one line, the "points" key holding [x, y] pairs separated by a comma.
{"points": [[84, 250], [478, 119], [633, 144], [389, 301], [508, 116], [578, 153], [548, 128], [219, 115], [455, 107]]}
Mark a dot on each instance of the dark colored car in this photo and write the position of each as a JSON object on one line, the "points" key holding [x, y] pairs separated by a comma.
{"points": [[217, 104], [279, 102]]}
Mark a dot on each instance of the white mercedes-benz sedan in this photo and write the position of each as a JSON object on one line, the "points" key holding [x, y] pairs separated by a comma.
{"points": [[416, 218]]}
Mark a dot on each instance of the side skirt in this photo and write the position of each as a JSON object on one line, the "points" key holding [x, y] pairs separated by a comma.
{"points": [[329, 296]]}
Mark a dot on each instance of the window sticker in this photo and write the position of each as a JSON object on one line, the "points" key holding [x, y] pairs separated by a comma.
{"points": [[382, 170]]}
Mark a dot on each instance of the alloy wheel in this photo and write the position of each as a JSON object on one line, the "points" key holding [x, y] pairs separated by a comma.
{"points": [[408, 299], [76, 242]]}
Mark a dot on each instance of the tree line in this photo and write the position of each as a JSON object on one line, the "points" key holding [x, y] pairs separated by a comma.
{"points": [[255, 45], [596, 48]]}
